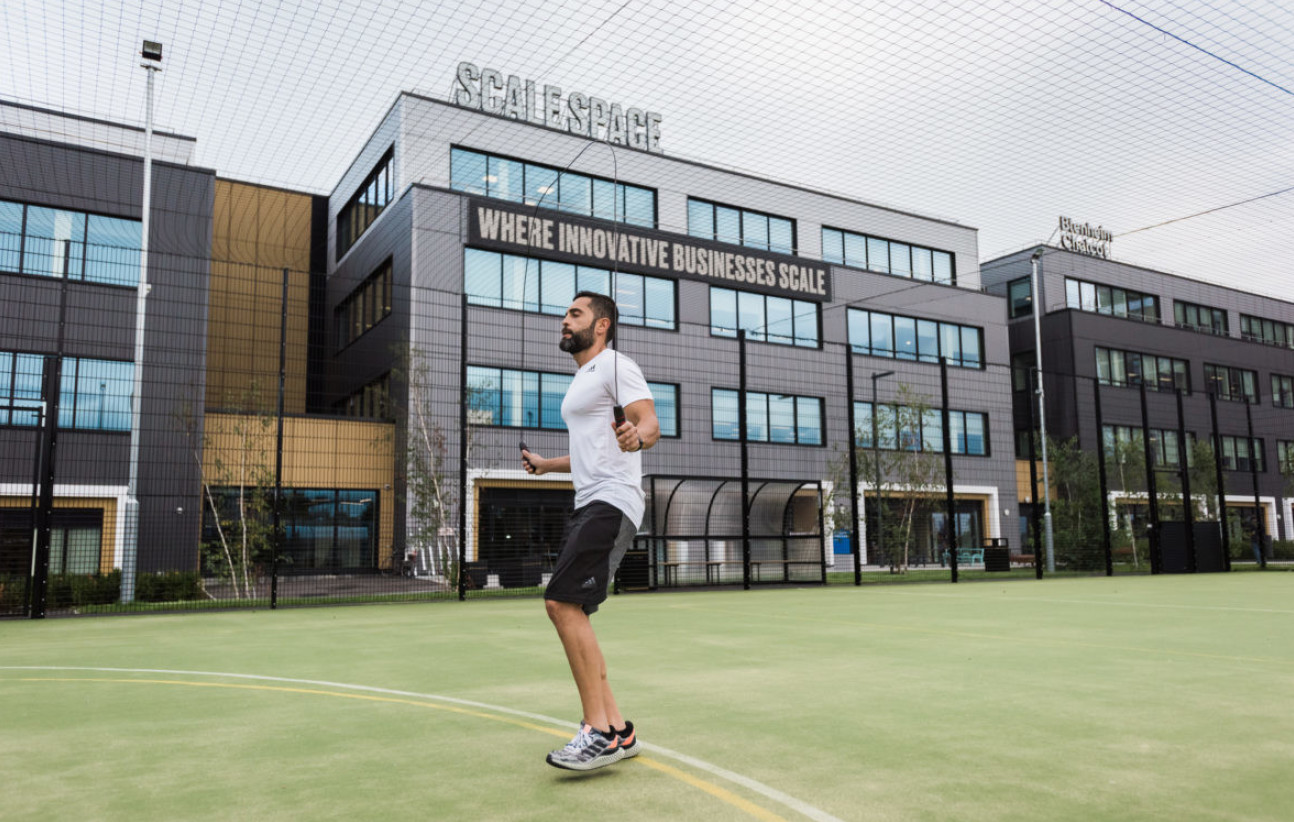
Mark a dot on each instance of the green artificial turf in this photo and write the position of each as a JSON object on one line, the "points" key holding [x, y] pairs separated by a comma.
{"points": [[1130, 698]]}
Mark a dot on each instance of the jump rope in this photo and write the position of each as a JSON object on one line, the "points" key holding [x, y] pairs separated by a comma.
{"points": [[617, 410]]}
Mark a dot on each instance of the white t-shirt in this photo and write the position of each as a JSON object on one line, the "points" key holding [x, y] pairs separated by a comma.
{"points": [[600, 470]]}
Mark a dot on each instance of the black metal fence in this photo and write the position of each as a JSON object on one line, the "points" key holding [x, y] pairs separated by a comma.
{"points": [[300, 449]]}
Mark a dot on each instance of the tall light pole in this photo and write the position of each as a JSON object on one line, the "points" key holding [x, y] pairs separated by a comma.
{"points": [[880, 527], [1042, 410], [151, 63]]}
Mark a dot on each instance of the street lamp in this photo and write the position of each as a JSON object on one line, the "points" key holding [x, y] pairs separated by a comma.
{"points": [[151, 52], [880, 527], [1042, 412]]}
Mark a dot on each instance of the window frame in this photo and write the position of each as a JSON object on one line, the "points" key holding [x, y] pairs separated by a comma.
{"points": [[767, 417], [742, 213], [959, 361], [872, 241], [764, 336]]}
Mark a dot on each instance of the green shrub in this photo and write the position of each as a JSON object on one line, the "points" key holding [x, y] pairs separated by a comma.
{"points": [[74, 590], [168, 586], [13, 590], [1281, 549]]}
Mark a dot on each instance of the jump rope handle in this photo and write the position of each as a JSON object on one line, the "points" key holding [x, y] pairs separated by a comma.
{"points": [[524, 448], [618, 411]]}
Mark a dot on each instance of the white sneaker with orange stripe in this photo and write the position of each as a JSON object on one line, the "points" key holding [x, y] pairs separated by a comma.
{"points": [[589, 750]]}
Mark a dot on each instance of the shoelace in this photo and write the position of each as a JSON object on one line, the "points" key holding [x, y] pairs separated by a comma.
{"points": [[583, 739]]}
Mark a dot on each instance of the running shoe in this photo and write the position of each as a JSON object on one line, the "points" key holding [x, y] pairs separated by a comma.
{"points": [[588, 751], [628, 740]]}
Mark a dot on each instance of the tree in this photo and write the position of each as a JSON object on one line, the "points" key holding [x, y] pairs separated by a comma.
{"points": [[913, 466], [1076, 509]]}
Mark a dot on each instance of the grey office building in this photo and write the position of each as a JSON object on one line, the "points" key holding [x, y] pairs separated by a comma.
{"points": [[447, 205], [1124, 326]]}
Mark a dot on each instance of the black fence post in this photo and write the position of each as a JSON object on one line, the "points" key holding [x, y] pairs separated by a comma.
{"points": [[1152, 492], [1188, 505], [278, 450], [1105, 484], [462, 449], [39, 580], [1221, 480], [856, 537], [1035, 515], [745, 459], [950, 500], [1260, 527]]}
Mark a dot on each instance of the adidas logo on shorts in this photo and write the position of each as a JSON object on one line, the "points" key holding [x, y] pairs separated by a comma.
{"points": [[589, 584]]}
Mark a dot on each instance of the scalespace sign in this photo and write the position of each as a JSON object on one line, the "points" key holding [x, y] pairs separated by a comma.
{"points": [[518, 229], [493, 92]]}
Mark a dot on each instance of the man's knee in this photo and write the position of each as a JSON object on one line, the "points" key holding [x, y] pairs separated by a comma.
{"points": [[559, 612]]}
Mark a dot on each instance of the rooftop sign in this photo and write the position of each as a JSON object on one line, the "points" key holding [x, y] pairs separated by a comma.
{"points": [[1083, 239], [491, 91]]}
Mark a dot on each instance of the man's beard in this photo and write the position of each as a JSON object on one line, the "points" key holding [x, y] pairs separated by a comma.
{"points": [[578, 341]]}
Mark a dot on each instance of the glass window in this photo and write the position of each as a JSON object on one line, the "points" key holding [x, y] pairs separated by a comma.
{"points": [[727, 224], [576, 193], [905, 338], [833, 244], [971, 347], [700, 219], [519, 399], [882, 335], [28, 371], [640, 206], [55, 243], [723, 405], [781, 418], [856, 250], [541, 186], [112, 250], [507, 179], [808, 420], [757, 417], [932, 430], [520, 282], [922, 264], [553, 391], [860, 332], [629, 298], [957, 431], [943, 268], [781, 235], [781, 328], [863, 421], [483, 395], [659, 296], [1019, 298], [976, 439], [754, 230], [750, 311], [806, 324], [557, 287], [950, 343], [597, 280], [1072, 297], [900, 260], [10, 235], [482, 277], [665, 398], [100, 394], [878, 255], [605, 205], [723, 312], [928, 341]]}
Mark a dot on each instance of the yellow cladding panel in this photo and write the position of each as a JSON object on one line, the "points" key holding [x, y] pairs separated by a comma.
{"points": [[317, 453], [1022, 480], [108, 535], [260, 231]]}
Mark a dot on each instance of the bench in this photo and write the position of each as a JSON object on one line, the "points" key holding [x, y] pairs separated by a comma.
{"points": [[1022, 559], [712, 570], [756, 564], [966, 556]]}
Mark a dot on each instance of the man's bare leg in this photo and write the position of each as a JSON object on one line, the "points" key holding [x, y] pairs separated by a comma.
{"points": [[588, 667]]}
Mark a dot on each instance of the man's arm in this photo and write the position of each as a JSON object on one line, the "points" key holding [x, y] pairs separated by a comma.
{"points": [[535, 464], [640, 426]]}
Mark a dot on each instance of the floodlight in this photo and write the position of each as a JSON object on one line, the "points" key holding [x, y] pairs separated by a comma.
{"points": [[152, 51]]}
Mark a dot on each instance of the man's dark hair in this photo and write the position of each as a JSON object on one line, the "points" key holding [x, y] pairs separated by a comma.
{"points": [[603, 306]]}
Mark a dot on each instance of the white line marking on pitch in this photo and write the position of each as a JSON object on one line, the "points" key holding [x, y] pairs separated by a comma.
{"points": [[760, 788]]}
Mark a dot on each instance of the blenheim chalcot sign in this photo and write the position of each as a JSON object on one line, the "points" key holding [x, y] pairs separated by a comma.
{"points": [[491, 91], [1084, 239]]}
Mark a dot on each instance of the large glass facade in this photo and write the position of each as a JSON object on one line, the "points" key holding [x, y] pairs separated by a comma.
{"points": [[510, 398], [740, 226], [1200, 318], [1232, 384], [906, 428], [776, 418], [489, 175], [887, 256], [765, 318], [94, 395], [51, 242], [1267, 332], [1130, 368], [878, 334], [1116, 302], [324, 528], [527, 284], [370, 199]]}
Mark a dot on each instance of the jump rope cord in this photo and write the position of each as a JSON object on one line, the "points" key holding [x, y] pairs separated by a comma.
{"points": [[615, 268]]}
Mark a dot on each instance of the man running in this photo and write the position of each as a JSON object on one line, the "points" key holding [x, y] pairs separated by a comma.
{"points": [[606, 467]]}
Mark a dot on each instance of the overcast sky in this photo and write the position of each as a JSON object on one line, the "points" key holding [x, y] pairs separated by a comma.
{"points": [[998, 115]]}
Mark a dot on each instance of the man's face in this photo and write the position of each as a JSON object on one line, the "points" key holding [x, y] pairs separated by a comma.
{"points": [[577, 327]]}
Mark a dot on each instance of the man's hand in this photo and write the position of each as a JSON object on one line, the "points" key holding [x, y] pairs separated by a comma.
{"points": [[628, 437], [534, 464]]}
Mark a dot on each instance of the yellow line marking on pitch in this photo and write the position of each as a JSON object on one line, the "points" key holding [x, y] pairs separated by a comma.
{"points": [[714, 790]]}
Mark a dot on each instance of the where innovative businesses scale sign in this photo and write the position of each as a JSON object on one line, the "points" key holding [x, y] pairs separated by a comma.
{"points": [[520, 229]]}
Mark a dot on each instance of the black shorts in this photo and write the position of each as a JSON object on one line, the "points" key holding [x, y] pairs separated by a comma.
{"points": [[597, 537]]}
